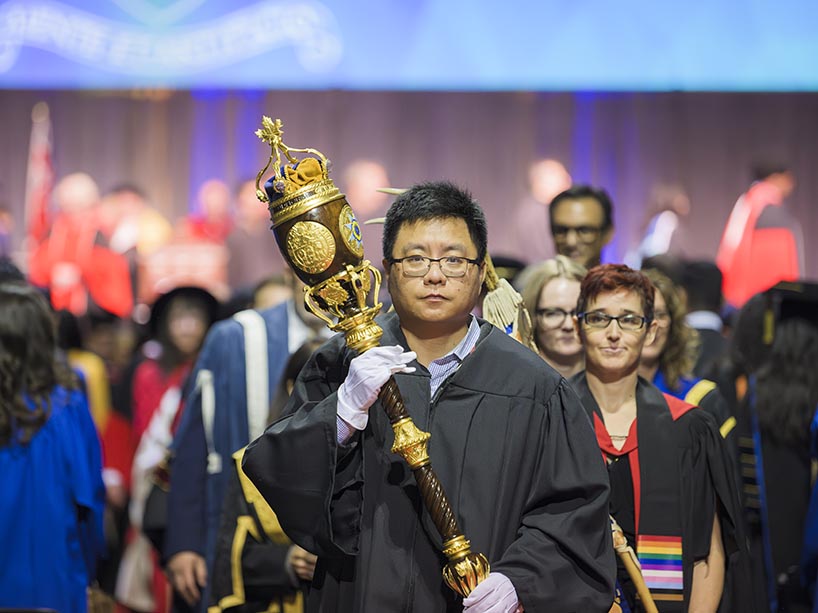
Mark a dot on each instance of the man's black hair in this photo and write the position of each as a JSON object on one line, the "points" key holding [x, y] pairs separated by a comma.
{"points": [[585, 191], [435, 200], [764, 169], [702, 281], [9, 270], [127, 188]]}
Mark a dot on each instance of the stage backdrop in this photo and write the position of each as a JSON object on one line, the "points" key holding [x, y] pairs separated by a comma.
{"points": [[169, 142], [559, 45]]}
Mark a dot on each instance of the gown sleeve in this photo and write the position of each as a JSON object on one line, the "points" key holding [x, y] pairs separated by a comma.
{"points": [[316, 488], [562, 559], [248, 567], [84, 460], [710, 486]]}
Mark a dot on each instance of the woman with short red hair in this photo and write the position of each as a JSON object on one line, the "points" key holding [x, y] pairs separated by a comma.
{"points": [[671, 490]]}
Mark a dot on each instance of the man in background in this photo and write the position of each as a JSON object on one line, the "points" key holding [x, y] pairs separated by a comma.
{"points": [[581, 223], [702, 282]]}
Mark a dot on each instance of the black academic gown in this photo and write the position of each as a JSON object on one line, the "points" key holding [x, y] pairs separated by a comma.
{"points": [[669, 479], [513, 449]]}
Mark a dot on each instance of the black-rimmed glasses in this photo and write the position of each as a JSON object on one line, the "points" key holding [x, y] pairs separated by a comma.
{"points": [[597, 319], [419, 265], [552, 317]]}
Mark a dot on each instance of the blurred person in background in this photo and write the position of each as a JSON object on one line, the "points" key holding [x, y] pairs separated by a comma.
{"points": [[212, 219], [254, 253], [762, 243], [702, 281], [550, 296], [179, 322], [131, 224], [51, 489], [663, 232], [775, 343], [239, 368], [71, 263], [581, 223], [116, 465], [667, 361], [361, 181], [529, 223]]}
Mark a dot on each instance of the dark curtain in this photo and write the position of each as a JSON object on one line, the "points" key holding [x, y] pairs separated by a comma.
{"points": [[169, 142]]}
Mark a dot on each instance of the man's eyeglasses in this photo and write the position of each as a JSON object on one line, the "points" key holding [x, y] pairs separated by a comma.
{"points": [[597, 319], [585, 234], [553, 317], [418, 265]]}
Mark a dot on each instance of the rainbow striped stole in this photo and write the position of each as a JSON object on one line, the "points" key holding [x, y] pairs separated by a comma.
{"points": [[661, 560]]}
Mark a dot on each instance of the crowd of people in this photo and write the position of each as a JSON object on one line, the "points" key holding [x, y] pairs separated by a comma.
{"points": [[178, 432]]}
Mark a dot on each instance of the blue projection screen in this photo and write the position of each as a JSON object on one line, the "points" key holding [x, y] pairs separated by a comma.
{"points": [[643, 45]]}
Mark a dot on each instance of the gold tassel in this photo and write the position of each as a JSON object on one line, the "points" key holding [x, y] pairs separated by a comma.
{"points": [[503, 307]]}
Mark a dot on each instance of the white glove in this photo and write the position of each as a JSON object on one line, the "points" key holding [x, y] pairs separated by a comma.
{"points": [[367, 374], [495, 594]]}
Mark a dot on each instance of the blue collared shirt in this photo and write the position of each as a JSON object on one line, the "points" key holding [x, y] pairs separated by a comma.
{"points": [[441, 368]]}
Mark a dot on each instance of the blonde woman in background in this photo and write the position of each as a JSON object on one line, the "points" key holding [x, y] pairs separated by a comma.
{"points": [[550, 295], [667, 361]]}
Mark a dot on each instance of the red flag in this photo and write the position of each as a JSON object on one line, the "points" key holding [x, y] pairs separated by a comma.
{"points": [[39, 177]]}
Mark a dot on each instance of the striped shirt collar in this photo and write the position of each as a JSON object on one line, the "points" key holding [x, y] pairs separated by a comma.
{"points": [[444, 366]]}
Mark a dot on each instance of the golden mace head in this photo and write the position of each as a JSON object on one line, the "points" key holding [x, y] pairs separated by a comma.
{"points": [[319, 237]]}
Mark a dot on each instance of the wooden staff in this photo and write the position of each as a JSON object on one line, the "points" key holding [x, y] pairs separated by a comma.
{"points": [[629, 559]]}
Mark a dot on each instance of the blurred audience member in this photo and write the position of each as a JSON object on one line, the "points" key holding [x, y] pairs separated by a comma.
{"points": [[212, 220], [667, 207], [581, 223], [94, 376], [179, 321], [71, 264], [702, 281], [551, 299], [529, 221], [254, 253], [360, 182], [273, 291], [762, 243], [667, 360], [778, 334], [51, 490], [131, 223], [241, 365], [9, 270]]}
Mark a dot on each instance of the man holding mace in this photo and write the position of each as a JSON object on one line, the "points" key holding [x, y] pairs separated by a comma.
{"points": [[510, 444]]}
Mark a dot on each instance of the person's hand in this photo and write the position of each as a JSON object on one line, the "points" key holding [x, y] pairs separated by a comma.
{"points": [[495, 594], [302, 562], [367, 374], [187, 572]]}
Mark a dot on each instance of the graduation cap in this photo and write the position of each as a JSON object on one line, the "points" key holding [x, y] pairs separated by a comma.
{"points": [[789, 300]]}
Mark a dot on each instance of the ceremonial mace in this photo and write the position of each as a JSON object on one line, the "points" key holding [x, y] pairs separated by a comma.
{"points": [[320, 239]]}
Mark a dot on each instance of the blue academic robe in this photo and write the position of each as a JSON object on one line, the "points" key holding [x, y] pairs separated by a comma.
{"points": [[51, 507], [196, 497]]}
